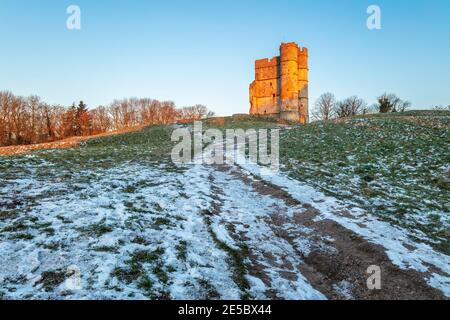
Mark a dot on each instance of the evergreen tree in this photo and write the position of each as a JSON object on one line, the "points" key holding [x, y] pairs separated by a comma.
{"points": [[82, 120]]}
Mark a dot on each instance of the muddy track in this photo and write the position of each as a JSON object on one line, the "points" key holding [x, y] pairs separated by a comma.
{"points": [[336, 260]]}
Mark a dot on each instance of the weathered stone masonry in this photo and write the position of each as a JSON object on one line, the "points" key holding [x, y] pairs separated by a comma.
{"points": [[280, 88]]}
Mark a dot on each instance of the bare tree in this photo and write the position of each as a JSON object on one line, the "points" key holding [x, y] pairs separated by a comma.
{"points": [[5, 117], [325, 107], [351, 106], [356, 105], [342, 109], [440, 107], [101, 121], [194, 113], [168, 112]]}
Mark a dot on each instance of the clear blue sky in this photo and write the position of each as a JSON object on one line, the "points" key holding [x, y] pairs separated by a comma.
{"points": [[204, 51]]}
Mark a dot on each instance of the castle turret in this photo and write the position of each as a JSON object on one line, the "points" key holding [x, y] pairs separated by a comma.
{"points": [[280, 88], [289, 81]]}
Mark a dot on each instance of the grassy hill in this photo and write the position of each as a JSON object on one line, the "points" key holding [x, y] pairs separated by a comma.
{"points": [[396, 166], [135, 224]]}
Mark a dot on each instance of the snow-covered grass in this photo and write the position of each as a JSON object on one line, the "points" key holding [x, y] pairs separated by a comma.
{"points": [[132, 231], [395, 166], [114, 213], [116, 219]]}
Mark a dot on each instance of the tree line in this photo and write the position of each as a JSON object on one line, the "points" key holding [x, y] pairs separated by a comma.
{"points": [[28, 120], [327, 107]]}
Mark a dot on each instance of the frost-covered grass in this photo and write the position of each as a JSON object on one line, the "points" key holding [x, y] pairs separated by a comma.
{"points": [[150, 243], [89, 207], [395, 166], [116, 219]]}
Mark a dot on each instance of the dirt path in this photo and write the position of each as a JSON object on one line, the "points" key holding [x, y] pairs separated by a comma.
{"points": [[333, 260]]}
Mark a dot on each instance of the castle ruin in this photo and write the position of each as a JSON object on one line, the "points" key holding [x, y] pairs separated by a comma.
{"points": [[280, 88]]}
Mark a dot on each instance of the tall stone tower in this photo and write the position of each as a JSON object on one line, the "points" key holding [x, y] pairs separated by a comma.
{"points": [[280, 88]]}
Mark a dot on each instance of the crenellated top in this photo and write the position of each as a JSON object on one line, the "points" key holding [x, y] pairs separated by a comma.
{"points": [[288, 44], [288, 52], [302, 50], [264, 63]]}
